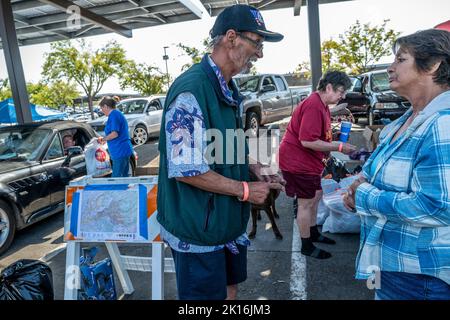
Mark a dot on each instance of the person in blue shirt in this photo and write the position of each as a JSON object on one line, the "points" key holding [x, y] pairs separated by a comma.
{"points": [[117, 137], [403, 195]]}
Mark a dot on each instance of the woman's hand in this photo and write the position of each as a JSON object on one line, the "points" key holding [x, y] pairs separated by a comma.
{"points": [[101, 140], [349, 196]]}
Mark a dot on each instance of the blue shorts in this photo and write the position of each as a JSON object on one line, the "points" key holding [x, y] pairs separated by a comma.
{"points": [[408, 286], [205, 276]]}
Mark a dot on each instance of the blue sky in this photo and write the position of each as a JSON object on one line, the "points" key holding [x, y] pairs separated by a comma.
{"points": [[406, 16]]}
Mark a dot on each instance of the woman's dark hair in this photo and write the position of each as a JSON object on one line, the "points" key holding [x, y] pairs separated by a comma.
{"points": [[111, 102], [428, 47], [336, 79]]}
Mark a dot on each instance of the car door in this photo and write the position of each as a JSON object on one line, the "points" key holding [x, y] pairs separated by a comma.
{"points": [[30, 179], [268, 99], [60, 176], [153, 115], [31, 189], [284, 99]]}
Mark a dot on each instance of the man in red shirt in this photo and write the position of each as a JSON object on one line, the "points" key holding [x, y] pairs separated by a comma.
{"points": [[303, 152]]}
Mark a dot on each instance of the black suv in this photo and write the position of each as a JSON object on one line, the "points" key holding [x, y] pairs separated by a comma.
{"points": [[370, 97], [34, 170]]}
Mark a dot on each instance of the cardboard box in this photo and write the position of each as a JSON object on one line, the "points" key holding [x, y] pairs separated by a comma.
{"points": [[371, 135]]}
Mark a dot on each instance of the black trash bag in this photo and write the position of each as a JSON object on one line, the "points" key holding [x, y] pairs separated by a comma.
{"points": [[336, 168], [26, 280]]}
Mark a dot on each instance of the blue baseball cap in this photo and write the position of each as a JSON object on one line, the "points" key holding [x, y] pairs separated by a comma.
{"points": [[241, 17]]}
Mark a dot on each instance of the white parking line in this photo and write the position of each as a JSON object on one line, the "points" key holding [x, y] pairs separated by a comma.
{"points": [[50, 255], [298, 267]]}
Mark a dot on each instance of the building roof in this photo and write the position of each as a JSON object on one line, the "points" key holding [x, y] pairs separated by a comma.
{"points": [[52, 20]]}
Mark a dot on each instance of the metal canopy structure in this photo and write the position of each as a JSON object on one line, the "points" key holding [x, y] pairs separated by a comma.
{"points": [[42, 21]]}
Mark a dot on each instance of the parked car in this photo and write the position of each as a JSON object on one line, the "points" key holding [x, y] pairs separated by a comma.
{"points": [[268, 99], [143, 116], [371, 97], [34, 170]]}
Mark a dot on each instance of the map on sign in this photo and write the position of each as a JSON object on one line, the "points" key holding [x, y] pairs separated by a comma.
{"points": [[110, 213]]}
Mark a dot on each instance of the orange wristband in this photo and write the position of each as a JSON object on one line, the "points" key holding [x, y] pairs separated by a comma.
{"points": [[246, 191], [341, 146]]}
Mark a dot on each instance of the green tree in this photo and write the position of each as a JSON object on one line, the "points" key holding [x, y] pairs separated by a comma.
{"points": [[51, 95], [358, 48], [330, 56], [143, 78], [86, 67], [5, 89], [194, 53], [54, 94], [363, 45]]}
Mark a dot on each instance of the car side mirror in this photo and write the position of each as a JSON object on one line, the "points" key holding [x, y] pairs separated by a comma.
{"points": [[268, 87], [71, 152], [151, 109]]}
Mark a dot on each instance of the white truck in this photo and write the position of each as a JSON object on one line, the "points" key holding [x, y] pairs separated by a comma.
{"points": [[268, 98]]}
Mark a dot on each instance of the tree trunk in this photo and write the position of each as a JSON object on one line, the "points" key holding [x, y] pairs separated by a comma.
{"points": [[91, 109]]}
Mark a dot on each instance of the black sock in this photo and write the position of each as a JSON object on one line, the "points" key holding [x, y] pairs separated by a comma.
{"points": [[295, 207], [316, 236], [309, 249]]}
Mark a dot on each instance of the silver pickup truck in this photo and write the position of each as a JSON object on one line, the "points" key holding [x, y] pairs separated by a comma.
{"points": [[268, 98]]}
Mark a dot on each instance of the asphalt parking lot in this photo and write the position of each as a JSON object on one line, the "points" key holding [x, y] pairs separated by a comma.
{"points": [[276, 269]]}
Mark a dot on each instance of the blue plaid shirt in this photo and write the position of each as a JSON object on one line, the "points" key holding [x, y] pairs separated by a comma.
{"points": [[405, 205], [185, 129]]}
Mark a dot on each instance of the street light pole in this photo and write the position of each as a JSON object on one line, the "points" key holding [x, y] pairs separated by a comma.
{"points": [[166, 57]]}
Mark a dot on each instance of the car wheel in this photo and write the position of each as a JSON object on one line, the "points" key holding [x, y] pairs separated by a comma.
{"points": [[252, 124], [140, 135], [7, 226]]}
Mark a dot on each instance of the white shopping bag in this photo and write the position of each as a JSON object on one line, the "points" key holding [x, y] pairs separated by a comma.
{"points": [[98, 162]]}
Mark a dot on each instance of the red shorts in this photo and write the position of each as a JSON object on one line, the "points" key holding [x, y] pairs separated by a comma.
{"points": [[302, 186]]}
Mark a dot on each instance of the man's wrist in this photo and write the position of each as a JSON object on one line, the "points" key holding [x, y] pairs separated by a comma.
{"points": [[245, 191]]}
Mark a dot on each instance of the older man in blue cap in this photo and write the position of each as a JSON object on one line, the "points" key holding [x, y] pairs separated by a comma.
{"points": [[204, 205]]}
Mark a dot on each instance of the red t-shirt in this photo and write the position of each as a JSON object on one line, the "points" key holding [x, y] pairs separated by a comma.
{"points": [[310, 121]]}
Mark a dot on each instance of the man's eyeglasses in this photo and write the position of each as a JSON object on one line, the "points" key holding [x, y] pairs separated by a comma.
{"points": [[257, 44], [343, 92]]}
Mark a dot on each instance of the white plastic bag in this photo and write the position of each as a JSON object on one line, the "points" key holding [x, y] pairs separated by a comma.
{"points": [[346, 182], [328, 186], [340, 219], [98, 163], [322, 213]]}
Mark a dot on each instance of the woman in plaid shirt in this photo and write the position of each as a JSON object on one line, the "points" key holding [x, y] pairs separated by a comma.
{"points": [[403, 194]]}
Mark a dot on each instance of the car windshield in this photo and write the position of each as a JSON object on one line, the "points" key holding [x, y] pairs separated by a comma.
{"points": [[247, 83], [132, 107], [22, 144], [380, 82]]}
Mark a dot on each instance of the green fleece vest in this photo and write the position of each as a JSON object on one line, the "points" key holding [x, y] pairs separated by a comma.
{"points": [[191, 214]]}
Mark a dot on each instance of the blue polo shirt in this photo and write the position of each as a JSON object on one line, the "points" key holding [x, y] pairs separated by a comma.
{"points": [[119, 147]]}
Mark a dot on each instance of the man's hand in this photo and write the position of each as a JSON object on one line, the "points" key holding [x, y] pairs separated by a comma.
{"points": [[264, 173], [258, 191]]}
